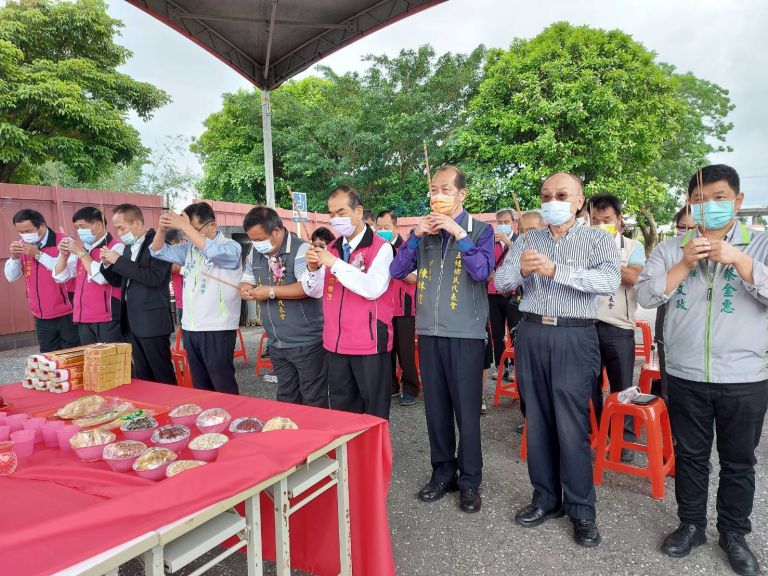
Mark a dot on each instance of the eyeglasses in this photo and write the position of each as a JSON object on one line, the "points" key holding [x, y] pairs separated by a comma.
{"points": [[560, 197], [685, 228], [204, 226]]}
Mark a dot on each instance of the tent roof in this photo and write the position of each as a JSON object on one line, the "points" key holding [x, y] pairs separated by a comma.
{"points": [[269, 41]]}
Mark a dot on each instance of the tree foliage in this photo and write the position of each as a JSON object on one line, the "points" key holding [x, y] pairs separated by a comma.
{"points": [[61, 96], [595, 103], [367, 129]]}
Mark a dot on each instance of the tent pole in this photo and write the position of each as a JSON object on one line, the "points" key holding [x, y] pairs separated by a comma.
{"points": [[266, 126]]}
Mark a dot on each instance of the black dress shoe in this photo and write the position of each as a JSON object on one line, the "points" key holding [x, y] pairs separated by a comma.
{"points": [[683, 540], [470, 501], [585, 532], [432, 491], [740, 557], [532, 515]]}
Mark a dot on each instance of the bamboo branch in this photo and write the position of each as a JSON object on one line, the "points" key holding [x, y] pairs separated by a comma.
{"points": [[217, 279]]}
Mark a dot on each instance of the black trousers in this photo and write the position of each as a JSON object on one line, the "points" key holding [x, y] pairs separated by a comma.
{"points": [[152, 358], [301, 374], [210, 356], [735, 412], [95, 332], [557, 367], [617, 356], [452, 373], [360, 384], [502, 314], [661, 313], [404, 352], [56, 333]]}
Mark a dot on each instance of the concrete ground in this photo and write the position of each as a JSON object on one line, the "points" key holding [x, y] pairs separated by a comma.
{"points": [[438, 538]]}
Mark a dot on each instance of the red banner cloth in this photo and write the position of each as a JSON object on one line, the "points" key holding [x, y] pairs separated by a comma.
{"points": [[58, 511]]}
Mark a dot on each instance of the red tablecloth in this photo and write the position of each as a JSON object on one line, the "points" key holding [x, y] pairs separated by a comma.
{"points": [[57, 510]]}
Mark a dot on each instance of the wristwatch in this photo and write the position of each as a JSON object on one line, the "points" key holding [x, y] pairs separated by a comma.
{"points": [[461, 236], [38, 255], [271, 292], [81, 254]]}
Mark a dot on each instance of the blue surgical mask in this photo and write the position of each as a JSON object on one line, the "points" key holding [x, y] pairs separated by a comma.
{"points": [[263, 246], [386, 234], [556, 212], [86, 236], [128, 238], [505, 229], [717, 213]]}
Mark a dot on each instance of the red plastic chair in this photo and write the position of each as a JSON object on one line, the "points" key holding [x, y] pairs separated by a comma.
{"points": [[241, 352], [509, 388], [180, 364], [648, 373], [644, 349], [261, 362], [593, 434], [661, 455]]}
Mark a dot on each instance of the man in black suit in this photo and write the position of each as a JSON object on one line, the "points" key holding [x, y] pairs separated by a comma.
{"points": [[145, 316]]}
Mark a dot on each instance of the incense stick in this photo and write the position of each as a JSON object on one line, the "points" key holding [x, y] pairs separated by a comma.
{"points": [[212, 277], [517, 202], [426, 161]]}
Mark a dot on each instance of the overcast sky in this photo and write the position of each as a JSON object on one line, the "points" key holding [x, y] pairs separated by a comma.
{"points": [[723, 41]]}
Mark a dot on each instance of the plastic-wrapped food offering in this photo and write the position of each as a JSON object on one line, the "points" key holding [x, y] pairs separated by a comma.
{"points": [[176, 468], [246, 425], [213, 420]]}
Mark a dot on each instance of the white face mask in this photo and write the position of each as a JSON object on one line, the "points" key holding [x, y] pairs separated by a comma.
{"points": [[263, 246], [556, 212], [30, 237]]}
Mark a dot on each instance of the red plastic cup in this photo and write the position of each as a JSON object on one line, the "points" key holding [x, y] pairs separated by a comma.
{"points": [[16, 421], [5, 433], [49, 432], [23, 442], [35, 424], [63, 435]]}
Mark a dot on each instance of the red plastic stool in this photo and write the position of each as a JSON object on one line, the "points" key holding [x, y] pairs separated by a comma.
{"points": [[648, 373], [183, 375], [644, 349], [240, 352], [661, 456], [261, 362], [593, 434], [510, 388], [606, 384]]}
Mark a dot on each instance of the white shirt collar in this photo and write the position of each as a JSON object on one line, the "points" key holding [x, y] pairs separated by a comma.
{"points": [[355, 241]]}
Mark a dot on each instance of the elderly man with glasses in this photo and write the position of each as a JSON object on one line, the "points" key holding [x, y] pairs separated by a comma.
{"points": [[563, 269]]}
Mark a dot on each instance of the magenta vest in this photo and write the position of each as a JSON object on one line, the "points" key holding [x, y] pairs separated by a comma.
{"points": [[46, 298], [352, 324], [93, 302]]}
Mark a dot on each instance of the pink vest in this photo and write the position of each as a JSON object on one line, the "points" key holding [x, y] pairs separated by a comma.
{"points": [[498, 250], [47, 299], [93, 302], [352, 324]]}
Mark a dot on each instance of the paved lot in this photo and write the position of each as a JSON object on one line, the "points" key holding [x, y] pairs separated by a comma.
{"points": [[439, 539]]}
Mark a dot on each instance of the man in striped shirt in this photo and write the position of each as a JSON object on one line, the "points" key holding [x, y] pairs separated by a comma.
{"points": [[563, 269]]}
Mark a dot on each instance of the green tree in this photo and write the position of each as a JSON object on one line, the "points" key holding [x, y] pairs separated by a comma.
{"points": [[61, 96], [368, 129], [595, 103]]}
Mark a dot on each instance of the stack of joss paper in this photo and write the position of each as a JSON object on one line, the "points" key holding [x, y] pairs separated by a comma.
{"points": [[107, 366], [59, 371]]}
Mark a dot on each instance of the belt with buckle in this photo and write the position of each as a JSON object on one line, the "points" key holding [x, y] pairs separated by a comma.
{"points": [[555, 321]]}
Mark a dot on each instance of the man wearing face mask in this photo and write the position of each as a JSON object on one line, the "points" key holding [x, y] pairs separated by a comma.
{"points": [[352, 278], [97, 302], [292, 320], [502, 315], [209, 325], [715, 281], [616, 313], [403, 321], [563, 269], [34, 259], [453, 255], [145, 306]]}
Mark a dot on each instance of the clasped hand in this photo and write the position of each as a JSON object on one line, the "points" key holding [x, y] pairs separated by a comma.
{"points": [[532, 262]]}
